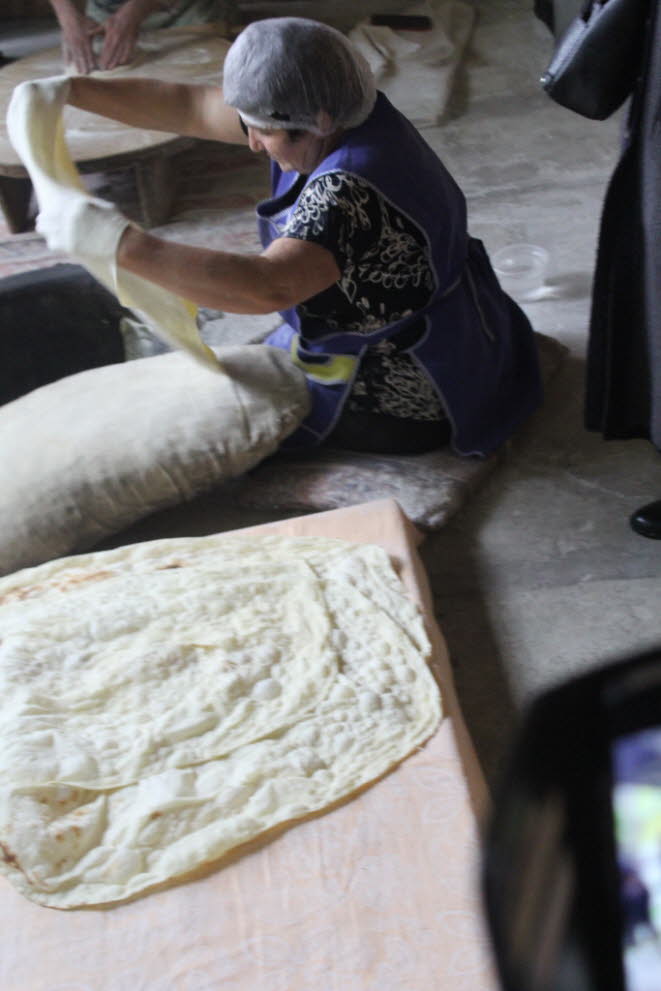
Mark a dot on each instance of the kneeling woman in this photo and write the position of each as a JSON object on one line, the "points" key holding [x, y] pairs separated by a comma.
{"points": [[389, 306]]}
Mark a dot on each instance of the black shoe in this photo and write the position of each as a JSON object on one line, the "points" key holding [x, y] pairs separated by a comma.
{"points": [[647, 520]]}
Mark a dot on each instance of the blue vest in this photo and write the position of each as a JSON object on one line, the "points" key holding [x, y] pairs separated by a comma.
{"points": [[478, 347]]}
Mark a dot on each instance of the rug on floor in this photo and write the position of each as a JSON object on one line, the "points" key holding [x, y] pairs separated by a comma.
{"points": [[430, 488]]}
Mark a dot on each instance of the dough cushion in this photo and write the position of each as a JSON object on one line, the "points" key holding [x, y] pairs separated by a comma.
{"points": [[35, 128], [164, 703], [90, 454]]}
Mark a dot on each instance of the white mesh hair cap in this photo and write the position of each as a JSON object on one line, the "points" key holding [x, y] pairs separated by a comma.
{"points": [[285, 71]]}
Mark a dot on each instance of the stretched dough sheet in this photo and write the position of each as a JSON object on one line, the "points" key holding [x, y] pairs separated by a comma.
{"points": [[380, 892], [36, 130]]}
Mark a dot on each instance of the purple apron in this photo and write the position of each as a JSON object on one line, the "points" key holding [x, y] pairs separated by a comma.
{"points": [[478, 347]]}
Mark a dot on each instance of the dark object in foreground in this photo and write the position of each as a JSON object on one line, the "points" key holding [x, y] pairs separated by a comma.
{"points": [[597, 59], [572, 849], [647, 520], [54, 322]]}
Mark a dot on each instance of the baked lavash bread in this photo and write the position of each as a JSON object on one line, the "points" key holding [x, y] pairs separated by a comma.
{"points": [[163, 703]]}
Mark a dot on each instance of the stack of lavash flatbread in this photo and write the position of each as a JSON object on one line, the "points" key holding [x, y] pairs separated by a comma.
{"points": [[163, 703]]}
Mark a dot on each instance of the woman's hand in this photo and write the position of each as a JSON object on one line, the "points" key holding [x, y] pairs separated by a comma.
{"points": [[51, 91], [120, 33], [78, 33], [82, 227]]}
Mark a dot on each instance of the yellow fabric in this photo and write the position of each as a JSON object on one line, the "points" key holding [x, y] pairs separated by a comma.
{"points": [[338, 368]]}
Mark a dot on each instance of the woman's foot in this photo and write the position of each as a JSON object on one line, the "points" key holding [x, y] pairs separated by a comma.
{"points": [[647, 520]]}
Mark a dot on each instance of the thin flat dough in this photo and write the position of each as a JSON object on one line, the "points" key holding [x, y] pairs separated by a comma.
{"points": [[36, 130], [163, 703]]}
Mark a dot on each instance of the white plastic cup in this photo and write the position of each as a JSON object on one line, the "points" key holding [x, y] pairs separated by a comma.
{"points": [[521, 268]]}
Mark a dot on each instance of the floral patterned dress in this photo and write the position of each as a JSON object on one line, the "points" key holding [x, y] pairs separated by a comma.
{"points": [[386, 274]]}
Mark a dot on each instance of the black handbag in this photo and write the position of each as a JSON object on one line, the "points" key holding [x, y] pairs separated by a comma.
{"points": [[598, 58]]}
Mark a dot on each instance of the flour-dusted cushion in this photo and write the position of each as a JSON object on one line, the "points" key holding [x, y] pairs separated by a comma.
{"points": [[87, 455]]}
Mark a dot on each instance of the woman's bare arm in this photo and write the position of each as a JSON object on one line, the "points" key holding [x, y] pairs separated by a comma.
{"points": [[192, 110], [77, 34], [288, 272]]}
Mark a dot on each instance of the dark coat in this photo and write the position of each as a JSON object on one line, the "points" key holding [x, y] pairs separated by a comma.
{"points": [[623, 383], [557, 14]]}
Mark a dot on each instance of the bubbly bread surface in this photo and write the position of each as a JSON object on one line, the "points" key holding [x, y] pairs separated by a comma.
{"points": [[166, 702]]}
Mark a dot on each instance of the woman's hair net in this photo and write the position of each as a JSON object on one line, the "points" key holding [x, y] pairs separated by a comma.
{"points": [[285, 71]]}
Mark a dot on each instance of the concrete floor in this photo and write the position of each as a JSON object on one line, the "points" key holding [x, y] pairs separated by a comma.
{"points": [[539, 576]]}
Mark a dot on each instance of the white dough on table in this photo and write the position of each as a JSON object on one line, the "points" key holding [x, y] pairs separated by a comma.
{"points": [[164, 703], [381, 892]]}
